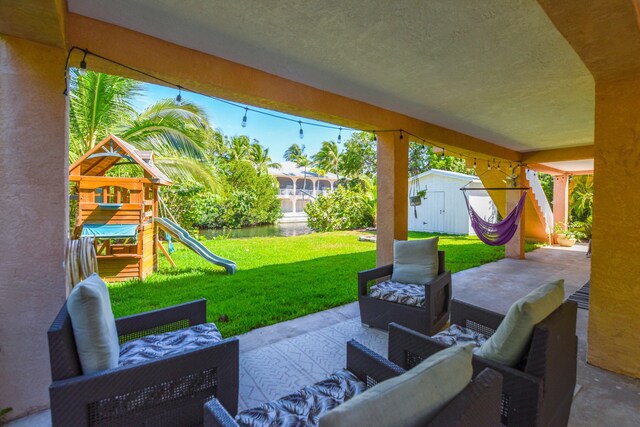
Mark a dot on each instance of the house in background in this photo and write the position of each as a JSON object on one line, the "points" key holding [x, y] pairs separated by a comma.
{"points": [[296, 191], [443, 209]]}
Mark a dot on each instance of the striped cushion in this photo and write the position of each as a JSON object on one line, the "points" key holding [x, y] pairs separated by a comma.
{"points": [[304, 407], [153, 347], [401, 293]]}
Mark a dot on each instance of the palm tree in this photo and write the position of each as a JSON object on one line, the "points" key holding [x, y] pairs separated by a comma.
{"points": [[238, 148], [295, 153], [328, 158], [261, 159], [101, 104], [98, 104]]}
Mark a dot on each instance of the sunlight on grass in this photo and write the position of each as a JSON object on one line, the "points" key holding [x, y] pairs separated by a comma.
{"points": [[278, 278]]}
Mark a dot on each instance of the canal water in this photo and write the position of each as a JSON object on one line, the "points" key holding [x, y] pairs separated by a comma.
{"points": [[276, 230]]}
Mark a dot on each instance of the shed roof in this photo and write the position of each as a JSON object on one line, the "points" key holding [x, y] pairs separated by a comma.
{"points": [[449, 174], [110, 151]]}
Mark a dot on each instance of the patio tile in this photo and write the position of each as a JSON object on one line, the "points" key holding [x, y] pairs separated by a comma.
{"points": [[279, 359]]}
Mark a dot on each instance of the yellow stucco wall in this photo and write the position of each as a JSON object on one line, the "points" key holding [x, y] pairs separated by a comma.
{"points": [[614, 336], [33, 190]]}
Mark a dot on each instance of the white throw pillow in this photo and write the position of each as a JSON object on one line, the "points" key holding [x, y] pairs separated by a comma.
{"points": [[510, 340], [415, 261], [94, 326], [410, 399]]}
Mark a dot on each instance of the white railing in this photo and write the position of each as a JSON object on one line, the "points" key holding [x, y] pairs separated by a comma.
{"points": [[300, 192], [543, 203]]}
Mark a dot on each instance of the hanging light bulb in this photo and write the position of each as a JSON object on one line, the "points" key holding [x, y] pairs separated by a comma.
{"points": [[83, 63], [474, 163], [375, 137], [488, 165], [301, 131], [401, 135], [179, 97], [244, 118], [340, 136], [442, 155]]}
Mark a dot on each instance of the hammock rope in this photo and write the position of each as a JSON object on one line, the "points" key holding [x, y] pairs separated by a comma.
{"points": [[499, 233]]}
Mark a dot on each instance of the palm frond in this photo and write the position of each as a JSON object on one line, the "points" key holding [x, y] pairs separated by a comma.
{"points": [[189, 169]]}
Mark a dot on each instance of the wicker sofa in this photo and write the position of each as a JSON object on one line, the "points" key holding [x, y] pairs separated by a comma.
{"points": [[169, 390], [477, 405], [427, 318], [538, 391]]}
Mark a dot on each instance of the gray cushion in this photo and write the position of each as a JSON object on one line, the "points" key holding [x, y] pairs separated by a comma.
{"points": [[94, 326], [304, 407], [411, 399], [401, 293], [415, 261], [510, 340], [153, 347]]}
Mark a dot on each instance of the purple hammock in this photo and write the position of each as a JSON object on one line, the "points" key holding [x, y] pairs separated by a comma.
{"points": [[501, 232]]}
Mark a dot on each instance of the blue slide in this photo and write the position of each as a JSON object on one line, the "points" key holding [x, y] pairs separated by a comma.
{"points": [[183, 236]]}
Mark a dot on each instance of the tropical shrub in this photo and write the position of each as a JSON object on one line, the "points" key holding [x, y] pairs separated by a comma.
{"points": [[248, 198], [342, 209]]}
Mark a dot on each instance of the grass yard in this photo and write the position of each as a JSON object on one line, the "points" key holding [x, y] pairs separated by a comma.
{"points": [[278, 278]]}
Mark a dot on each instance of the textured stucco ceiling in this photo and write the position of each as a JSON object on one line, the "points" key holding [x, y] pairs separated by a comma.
{"points": [[496, 69]]}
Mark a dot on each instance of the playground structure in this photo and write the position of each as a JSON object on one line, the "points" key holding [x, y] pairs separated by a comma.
{"points": [[122, 213]]}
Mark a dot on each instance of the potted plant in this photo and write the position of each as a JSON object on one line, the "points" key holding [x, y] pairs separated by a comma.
{"points": [[569, 236], [417, 199]]}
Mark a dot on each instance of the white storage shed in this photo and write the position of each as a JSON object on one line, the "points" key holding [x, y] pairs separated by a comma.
{"points": [[443, 209]]}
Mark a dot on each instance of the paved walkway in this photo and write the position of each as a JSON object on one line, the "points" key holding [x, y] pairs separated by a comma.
{"points": [[279, 359]]}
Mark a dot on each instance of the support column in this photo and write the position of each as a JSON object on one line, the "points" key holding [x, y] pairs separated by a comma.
{"points": [[560, 200], [393, 193], [615, 269], [515, 247], [34, 211]]}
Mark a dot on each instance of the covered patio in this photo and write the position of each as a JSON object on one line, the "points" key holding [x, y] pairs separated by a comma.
{"points": [[540, 85], [280, 359]]}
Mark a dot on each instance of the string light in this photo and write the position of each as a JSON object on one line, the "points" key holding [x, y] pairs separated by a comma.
{"points": [[87, 52], [244, 118]]}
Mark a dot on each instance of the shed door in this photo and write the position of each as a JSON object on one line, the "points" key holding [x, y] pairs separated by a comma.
{"points": [[434, 211]]}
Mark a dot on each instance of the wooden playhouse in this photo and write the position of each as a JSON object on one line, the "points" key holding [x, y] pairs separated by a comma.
{"points": [[119, 212]]}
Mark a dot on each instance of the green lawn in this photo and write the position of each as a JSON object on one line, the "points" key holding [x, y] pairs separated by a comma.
{"points": [[278, 278]]}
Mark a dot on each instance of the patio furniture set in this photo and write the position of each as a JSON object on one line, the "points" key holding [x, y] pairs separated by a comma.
{"points": [[170, 367]]}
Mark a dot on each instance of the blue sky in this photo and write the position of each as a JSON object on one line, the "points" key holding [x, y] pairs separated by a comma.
{"points": [[273, 133]]}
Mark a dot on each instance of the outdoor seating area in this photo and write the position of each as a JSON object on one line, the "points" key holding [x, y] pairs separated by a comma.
{"points": [[277, 365]]}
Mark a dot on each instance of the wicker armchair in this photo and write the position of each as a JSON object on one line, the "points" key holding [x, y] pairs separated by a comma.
{"points": [[167, 391], [477, 405], [539, 390], [429, 319]]}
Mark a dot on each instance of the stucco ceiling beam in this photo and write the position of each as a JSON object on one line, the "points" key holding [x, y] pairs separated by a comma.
{"points": [[558, 155], [40, 21], [218, 77]]}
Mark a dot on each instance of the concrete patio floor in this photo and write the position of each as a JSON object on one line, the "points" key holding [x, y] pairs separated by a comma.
{"points": [[279, 359]]}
